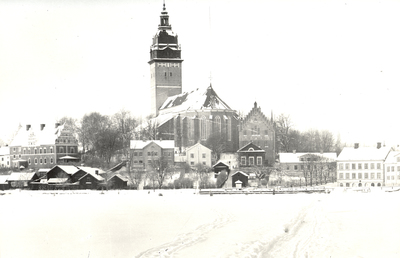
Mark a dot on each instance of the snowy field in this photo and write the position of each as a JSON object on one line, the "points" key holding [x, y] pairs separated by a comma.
{"points": [[183, 224]]}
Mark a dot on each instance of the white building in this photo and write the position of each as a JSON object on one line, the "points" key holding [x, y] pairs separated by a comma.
{"points": [[198, 154], [5, 157], [392, 169], [362, 166]]}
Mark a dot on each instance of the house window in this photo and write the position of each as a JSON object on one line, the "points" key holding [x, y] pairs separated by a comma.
{"points": [[155, 153], [51, 150], [347, 175], [372, 166], [353, 176], [135, 154], [140, 153], [359, 166], [51, 161], [45, 150], [45, 161], [340, 175], [353, 166], [392, 166], [340, 166], [148, 153], [398, 168], [365, 175], [192, 163], [378, 165], [35, 161], [204, 163], [192, 155], [392, 177], [243, 160], [359, 175], [61, 150], [378, 175], [251, 160], [204, 155], [40, 151], [295, 167], [302, 167], [388, 169], [347, 166], [301, 159], [140, 161], [29, 161], [35, 151], [365, 165], [72, 150], [259, 161], [372, 175]]}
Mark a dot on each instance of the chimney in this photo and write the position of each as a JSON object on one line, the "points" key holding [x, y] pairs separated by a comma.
{"points": [[42, 126], [294, 151], [379, 145], [356, 145], [27, 127], [96, 171], [56, 125]]}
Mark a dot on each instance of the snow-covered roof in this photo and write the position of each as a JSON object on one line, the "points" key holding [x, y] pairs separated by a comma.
{"points": [[3, 179], [291, 157], [21, 176], [392, 157], [119, 176], [68, 169], [221, 162], [92, 171], [240, 173], [194, 100], [363, 153], [197, 145], [4, 151], [169, 144], [57, 180], [37, 135]]}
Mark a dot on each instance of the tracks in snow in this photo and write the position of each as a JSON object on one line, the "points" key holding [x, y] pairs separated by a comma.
{"points": [[185, 240]]}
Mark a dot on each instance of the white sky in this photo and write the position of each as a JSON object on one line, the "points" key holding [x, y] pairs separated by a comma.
{"points": [[330, 64]]}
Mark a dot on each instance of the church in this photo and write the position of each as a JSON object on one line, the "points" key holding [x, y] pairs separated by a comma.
{"points": [[186, 117], [200, 115]]}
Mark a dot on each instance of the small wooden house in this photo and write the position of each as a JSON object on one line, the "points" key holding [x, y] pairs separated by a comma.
{"points": [[117, 182], [242, 177], [3, 182]]}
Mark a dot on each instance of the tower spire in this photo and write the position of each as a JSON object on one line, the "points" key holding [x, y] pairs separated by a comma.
{"points": [[163, 5]]}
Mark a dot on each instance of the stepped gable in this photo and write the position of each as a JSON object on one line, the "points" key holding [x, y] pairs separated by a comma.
{"points": [[253, 112]]}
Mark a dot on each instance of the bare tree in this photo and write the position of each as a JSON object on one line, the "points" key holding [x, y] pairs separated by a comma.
{"points": [[202, 172], [161, 169], [262, 172], [216, 142], [125, 124], [284, 125]]}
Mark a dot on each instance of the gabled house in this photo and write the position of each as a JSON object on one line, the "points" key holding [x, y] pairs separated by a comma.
{"points": [[117, 181], [251, 155], [241, 177], [198, 154], [78, 177], [145, 153]]}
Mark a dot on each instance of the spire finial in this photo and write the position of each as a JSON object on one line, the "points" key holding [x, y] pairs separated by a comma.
{"points": [[163, 5]]}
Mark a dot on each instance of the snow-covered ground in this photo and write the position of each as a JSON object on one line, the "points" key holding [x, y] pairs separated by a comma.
{"points": [[184, 224]]}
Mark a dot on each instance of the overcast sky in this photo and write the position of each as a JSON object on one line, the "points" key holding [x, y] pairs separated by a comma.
{"points": [[330, 64]]}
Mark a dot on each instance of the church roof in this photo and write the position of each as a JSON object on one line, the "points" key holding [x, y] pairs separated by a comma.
{"points": [[256, 110], [194, 100]]}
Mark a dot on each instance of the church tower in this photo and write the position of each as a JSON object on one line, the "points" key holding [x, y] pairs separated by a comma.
{"points": [[165, 64]]}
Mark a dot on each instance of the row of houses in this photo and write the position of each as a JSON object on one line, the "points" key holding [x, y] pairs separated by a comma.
{"points": [[63, 177]]}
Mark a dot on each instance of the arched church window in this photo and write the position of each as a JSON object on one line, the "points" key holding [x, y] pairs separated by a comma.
{"points": [[229, 129], [203, 128], [218, 124]]}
